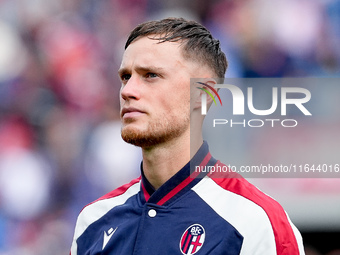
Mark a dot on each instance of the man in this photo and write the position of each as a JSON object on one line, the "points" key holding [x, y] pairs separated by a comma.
{"points": [[167, 211]]}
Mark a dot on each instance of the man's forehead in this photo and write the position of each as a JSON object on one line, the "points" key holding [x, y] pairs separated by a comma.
{"points": [[146, 52], [156, 39], [149, 46]]}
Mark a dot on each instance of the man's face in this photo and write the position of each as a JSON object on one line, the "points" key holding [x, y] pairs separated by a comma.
{"points": [[155, 92]]}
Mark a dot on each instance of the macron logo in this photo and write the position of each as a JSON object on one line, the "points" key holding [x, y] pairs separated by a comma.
{"points": [[107, 236]]}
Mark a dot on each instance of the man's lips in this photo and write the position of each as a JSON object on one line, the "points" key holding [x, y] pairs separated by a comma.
{"points": [[130, 112]]}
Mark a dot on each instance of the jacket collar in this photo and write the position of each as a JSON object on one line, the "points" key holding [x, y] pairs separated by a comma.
{"points": [[181, 182]]}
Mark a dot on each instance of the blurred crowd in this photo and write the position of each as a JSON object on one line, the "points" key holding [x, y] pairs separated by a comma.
{"points": [[60, 145]]}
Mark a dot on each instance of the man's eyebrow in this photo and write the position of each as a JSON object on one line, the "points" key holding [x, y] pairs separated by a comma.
{"points": [[149, 68], [122, 71]]}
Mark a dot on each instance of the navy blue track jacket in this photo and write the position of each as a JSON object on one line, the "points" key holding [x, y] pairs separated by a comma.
{"points": [[204, 215]]}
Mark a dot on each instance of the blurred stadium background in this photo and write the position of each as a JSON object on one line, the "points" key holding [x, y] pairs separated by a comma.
{"points": [[60, 145]]}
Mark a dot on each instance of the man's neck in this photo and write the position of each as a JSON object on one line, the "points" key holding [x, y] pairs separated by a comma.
{"points": [[163, 161]]}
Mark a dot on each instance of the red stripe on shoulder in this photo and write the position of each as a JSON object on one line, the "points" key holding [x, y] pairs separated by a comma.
{"points": [[117, 192], [286, 243]]}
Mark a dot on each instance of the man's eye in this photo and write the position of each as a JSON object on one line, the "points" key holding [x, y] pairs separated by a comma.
{"points": [[151, 75], [125, 77]]}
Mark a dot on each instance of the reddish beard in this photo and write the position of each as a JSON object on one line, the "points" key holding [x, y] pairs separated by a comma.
{"points": [[155, 133]]}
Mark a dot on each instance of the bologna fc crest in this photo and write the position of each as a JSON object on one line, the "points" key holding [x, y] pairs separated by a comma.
{"points": [[192, 239]]}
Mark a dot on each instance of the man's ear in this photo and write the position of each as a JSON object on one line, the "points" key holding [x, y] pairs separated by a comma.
{"points": [[204, 86]]}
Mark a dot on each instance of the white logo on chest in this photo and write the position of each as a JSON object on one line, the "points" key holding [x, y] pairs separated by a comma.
{"points": [[107, 236]]}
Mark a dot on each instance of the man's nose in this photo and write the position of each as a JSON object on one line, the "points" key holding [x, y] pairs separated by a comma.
{"points": [[131, 90]]}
